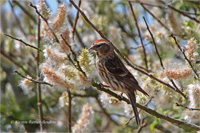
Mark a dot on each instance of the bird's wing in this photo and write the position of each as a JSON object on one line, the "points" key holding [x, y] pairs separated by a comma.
{"points": [[116, 67]]}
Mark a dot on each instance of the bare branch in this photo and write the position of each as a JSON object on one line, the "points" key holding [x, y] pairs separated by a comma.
{"points": [[74, 56], [159, 21], [160, 59], [105, 112], [138, 29], [139, 46], [184, 55], [145, 3], [45, 20], [140, 110], [15, 62], [17, 19], [177, 104], [77, 33], [146, 109], [76, 20], [38, 78], [142, 125], [26, 44], [69, 110], [179, 11], [35, 81], [26, 11]]}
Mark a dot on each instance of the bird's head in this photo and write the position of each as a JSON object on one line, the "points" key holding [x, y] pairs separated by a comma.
{"points": [[102, 47]]}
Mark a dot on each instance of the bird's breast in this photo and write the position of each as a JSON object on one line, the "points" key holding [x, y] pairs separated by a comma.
{"points": [[115, 83]]}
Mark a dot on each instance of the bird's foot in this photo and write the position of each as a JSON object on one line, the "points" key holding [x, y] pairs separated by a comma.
{"points": [[121, 95], [102, 85]]}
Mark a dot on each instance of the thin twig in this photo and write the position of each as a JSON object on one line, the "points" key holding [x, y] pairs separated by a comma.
{"points": [[45, 20], [160, 59], [143, 124], [139, 46], [177, 104], [146, 109], [15, 62], [87, 20], [16, 17], [159, 21], [70, 110], [125, 59], [140, 110], [39, 99], [77, 33], [35, 81], [179, 11], [157, 52], [184, 55], [26, 11], [74, 56], [138, 29], [148, 4], [26, 44], [105, 112], [76, 20], [162, 7]]}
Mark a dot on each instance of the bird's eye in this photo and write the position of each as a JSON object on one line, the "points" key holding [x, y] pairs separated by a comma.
{"points": [[98, 46]]}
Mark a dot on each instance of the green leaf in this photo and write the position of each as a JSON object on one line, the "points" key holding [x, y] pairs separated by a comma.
{"points": [[98, 121], [189, 24], [152, 126]]}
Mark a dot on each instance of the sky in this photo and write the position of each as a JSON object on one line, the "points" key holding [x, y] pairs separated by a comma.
{"points": [[53, 5]]}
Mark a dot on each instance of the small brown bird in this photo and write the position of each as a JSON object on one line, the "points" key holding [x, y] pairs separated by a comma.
{"points": [[114, 73]]}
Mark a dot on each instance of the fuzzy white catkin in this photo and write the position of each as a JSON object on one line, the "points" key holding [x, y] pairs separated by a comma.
{"points": [[194, 98], [85, 120]]}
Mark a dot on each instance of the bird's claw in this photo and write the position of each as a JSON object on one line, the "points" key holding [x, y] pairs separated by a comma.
{"points": [[102, 85], [121, 95]]}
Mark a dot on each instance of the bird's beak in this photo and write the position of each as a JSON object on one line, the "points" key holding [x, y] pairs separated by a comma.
{"points": [[92, 47]]}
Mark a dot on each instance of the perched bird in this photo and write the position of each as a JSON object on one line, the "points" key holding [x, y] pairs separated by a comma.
{"points": [[114, 73]]}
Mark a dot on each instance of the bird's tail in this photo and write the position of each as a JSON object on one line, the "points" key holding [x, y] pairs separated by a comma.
{"points": [[131, 95], [141, 90]]}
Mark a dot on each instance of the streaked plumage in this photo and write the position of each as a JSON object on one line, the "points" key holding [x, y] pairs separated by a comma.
{"points": [[114, 73]]}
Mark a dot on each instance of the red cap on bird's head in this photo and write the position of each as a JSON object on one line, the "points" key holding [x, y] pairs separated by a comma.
{"points": [[97, 42]]}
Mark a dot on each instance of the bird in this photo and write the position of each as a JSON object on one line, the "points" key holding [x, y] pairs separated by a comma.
{"points": [[114, 73]]}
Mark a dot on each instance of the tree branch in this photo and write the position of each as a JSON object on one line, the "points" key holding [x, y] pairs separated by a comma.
{"points": [[105, 112], [179, 11], [177, 104], [146, 109], [159, 21], [160, 59], [17, 19], [76, 20], [184, 55], [35, 81], [26, 44], [138, 29], [70, 110], [15, 62], [74, 56], [25, 11], [45, 20], [39, 99], [77, 34]]}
